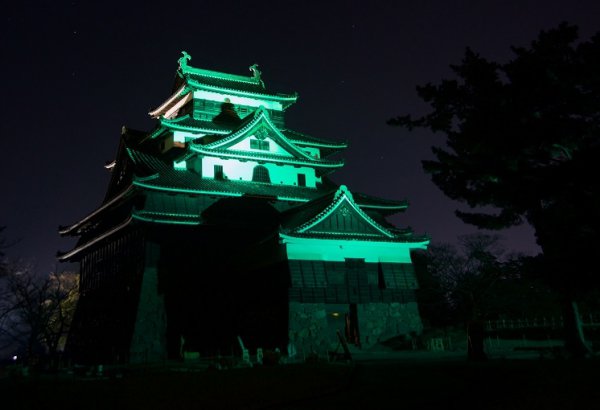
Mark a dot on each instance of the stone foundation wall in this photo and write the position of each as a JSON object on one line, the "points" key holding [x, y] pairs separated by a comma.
{"points": [[148, 343], [380, 321], [308, 331]]}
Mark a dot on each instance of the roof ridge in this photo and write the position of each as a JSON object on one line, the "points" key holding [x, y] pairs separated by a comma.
{"points": [[185, 68]]}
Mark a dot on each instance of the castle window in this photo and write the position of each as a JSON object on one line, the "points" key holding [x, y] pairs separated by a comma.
{"points": [[258, 144], [260, 174], [301, 180], [219, 172]]}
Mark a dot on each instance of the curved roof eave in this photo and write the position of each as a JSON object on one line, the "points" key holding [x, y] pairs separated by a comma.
{"points": [[169, 102], [285, 99], [277, 159], [307, 140], [68, 255], [188, 69], [413, 243], [339, 146], [71, 228], [399, 207]]}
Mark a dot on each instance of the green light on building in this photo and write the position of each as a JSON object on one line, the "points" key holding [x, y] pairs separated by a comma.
{"points": [[222, 223]]}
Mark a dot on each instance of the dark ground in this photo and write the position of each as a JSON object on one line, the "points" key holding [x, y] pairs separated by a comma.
{"points": [[508, 384], [406, 381]]}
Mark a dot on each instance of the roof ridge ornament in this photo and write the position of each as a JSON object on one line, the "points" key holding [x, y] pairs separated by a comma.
{"points": [[343, 190], [183, 61], [256, 74]]}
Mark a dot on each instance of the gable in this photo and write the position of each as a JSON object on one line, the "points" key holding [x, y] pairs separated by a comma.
{"points": [[261, 141], [344, 217], [344, 220], [259, 128]]}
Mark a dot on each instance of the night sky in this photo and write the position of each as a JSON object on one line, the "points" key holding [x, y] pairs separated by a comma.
{"points": [[73, 74]]}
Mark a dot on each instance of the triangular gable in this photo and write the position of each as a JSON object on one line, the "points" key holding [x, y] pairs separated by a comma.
{"points": [[343, 217], [259, 126], [260, 137]]}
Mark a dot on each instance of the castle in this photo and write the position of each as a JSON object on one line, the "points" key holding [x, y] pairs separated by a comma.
{"points": [[222, 223]]}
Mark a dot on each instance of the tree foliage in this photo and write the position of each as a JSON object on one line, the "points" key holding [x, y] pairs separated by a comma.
{"points": [[523, 137]]}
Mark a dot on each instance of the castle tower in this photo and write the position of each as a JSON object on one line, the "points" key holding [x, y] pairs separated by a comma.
{"points": [[221, 222]]}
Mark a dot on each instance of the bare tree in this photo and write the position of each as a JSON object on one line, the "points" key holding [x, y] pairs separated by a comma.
{"points": [[36, 311], [466, 277]]}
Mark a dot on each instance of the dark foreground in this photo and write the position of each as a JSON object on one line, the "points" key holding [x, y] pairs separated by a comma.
{"points": [[394, 383]]}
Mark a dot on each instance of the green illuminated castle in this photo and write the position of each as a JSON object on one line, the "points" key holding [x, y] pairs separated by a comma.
{"points": [[221, 222]]}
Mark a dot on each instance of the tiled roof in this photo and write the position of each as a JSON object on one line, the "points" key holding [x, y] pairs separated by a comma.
{"points": [[330, 205], [75, 229], [165, 177], [145, 164], [81, 245], [260, 118], [186, 209], [405, 238], [264, 156], [189, 123], [294, 219], [196, 80], [186, 181], [381, 204], [304, 139], [161, 174], [236, 83]]}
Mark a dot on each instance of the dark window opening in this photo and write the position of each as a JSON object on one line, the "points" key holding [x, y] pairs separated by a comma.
{"points": [[355, 263], [301, 180], [219, 172], [261, 174], [258, 144], [352, 333]]}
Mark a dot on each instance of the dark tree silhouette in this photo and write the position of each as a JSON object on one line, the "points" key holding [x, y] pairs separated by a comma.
{"points": [[524, 138], [36, 311]]}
